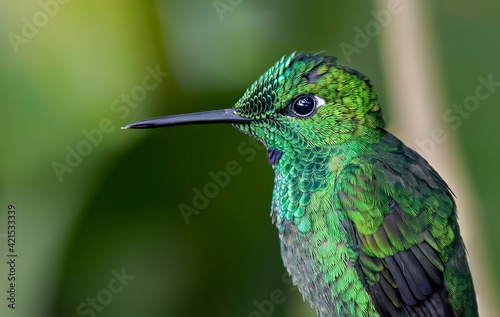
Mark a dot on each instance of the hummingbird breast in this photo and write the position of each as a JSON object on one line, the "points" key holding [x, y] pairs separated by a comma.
{"points": [[314, 244]]}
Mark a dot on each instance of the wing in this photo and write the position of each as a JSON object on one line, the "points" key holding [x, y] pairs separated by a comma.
{"points": [[400, 216]]}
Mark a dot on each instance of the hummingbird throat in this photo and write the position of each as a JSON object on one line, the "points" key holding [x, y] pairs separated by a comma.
{"points": [[273, 155]]}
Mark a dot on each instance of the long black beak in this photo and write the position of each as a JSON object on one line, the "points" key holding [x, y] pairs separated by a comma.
{"points": [[214, 116]]}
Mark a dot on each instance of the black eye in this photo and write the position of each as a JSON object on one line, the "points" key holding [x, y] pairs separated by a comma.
{"points": [[303, 106]]}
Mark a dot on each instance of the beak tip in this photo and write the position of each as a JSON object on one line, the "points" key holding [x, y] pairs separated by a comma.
{"points": [[137, 125]]}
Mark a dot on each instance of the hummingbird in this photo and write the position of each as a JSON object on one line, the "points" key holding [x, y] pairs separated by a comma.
{"points": [[366, 226]]}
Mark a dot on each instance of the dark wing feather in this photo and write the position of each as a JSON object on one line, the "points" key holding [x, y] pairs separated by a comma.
{"points": [[403, 225]]}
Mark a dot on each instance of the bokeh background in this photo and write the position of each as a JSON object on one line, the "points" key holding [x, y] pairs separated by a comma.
{"points": [[94, 201]]}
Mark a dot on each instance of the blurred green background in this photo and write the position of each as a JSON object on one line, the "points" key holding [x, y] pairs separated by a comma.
{"points": [[94, 201]]}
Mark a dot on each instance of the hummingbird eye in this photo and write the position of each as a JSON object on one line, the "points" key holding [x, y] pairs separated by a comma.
{"points": [[304, 106]]}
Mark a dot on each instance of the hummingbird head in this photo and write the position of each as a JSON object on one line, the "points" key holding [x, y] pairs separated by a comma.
{"points": [[309, 100], [303, 101]]}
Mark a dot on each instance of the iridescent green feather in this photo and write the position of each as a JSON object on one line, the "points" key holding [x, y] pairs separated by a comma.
{"points": [[367, 227]]}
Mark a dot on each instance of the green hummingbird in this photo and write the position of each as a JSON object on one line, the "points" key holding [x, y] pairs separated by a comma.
{"points": [[367, 227]]}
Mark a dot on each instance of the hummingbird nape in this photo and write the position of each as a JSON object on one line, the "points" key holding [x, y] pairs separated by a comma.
{"points": [[367, 227]]}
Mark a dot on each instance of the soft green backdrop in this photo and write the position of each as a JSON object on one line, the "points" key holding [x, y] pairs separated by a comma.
{"points": [[117, 207]]}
